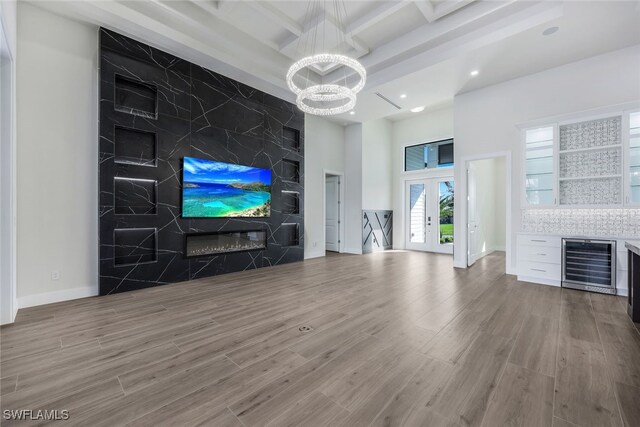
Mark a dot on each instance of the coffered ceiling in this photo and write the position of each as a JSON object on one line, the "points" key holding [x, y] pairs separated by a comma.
{"points": [[423, 48]]}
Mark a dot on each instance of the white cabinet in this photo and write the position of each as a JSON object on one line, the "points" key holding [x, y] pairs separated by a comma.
{"points": [[587, 162], [539, 259], [540, 253]]}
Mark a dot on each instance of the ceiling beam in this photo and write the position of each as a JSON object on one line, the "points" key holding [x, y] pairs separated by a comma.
{"points": [[180, 10], [500, 29], [422, 36], [277, 17], [426, 8], [213, 7], [316, 23], [376, 15], [449, 6]]}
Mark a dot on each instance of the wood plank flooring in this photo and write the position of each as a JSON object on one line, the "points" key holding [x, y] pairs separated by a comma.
{"points": [[394, 338]]}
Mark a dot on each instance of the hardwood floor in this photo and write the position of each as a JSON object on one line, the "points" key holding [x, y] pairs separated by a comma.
{"points": [[394, 338]]}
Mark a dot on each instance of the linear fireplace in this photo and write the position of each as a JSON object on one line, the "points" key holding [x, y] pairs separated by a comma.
{"points": [[219, 242]]}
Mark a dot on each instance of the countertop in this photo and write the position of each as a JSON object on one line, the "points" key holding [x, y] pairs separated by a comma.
{"points": [[634, 241]]}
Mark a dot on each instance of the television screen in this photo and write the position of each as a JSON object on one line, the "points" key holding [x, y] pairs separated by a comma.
{"points": [[215, 189]]}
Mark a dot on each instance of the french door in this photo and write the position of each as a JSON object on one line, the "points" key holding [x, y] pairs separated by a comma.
{"points": [[429, 214]]}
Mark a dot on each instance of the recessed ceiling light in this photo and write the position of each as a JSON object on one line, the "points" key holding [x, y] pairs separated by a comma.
{"points": [[403, 96], [550, 31], [474, 73], [417, 109], [352, 112]]}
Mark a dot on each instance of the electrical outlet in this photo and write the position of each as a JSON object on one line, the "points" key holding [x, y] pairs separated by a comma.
{"points": [[315, 244], [55, 275]]}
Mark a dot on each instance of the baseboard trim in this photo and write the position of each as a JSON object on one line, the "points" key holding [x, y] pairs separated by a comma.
{"points": [[539, 280], [56, 296], [355, 251], [459, 264], [314, 254], [486, 252], [12, 316]]}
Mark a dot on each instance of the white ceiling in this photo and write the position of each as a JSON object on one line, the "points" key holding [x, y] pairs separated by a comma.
{"points": [[424, 48]]}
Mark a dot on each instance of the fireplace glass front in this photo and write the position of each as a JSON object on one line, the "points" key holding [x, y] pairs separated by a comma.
{"points": [[225, 242]]}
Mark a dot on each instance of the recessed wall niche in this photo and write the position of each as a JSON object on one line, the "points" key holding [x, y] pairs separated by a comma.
{"points": [[134, 246], [134, 196], [290, 203], [135, 97], [290, 234], [134, 147], [291, 138], [155, 110], [290, 170]]}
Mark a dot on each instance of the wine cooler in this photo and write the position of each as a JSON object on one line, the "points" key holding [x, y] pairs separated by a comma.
{"points": [[589, 265]]}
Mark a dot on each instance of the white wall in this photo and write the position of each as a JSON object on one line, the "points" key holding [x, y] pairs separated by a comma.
{"points": [[376, 165], [426, 127], [57, 157], [324, 151], [486, 119], [362, 152], [500, 213], [353, 189], [490, 204], [8, 212]]}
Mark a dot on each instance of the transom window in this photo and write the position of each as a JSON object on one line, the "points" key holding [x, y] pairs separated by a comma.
{"points": [[429, 155]]}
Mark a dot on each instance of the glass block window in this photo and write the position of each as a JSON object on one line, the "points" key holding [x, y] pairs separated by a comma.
{"points": [[429, 155]]}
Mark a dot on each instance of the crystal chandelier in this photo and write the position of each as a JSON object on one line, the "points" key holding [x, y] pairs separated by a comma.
{"points": [[314, 95]]}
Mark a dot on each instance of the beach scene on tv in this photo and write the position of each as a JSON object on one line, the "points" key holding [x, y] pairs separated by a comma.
{"points": [[216, 189]]}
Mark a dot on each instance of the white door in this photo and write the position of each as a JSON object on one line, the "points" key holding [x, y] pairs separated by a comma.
{"points": [[473, 222], [332, 213], [429, 215]]}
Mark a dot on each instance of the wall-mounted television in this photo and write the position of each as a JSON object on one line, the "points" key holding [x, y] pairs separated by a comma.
{"points": [[213, 189]]}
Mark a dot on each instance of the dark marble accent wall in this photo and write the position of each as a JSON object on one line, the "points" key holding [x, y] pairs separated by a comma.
{"points": [[155, 109], [377, 231]]}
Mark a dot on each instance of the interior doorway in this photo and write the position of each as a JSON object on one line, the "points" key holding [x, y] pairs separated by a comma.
{"points": [[429, 214], [486, 207], [333, 212]]}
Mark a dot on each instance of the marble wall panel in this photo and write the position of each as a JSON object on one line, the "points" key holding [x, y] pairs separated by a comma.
{"points": [[198, 113]]}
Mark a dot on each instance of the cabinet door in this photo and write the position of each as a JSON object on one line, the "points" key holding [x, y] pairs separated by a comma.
{"points": [[539, 166]]}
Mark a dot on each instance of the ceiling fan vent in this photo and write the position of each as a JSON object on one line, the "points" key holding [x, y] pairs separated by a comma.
{"points": [[388, 100]]}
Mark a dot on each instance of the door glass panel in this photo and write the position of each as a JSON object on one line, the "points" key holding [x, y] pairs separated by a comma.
{"points": [[417, 209], [445, 232]]}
